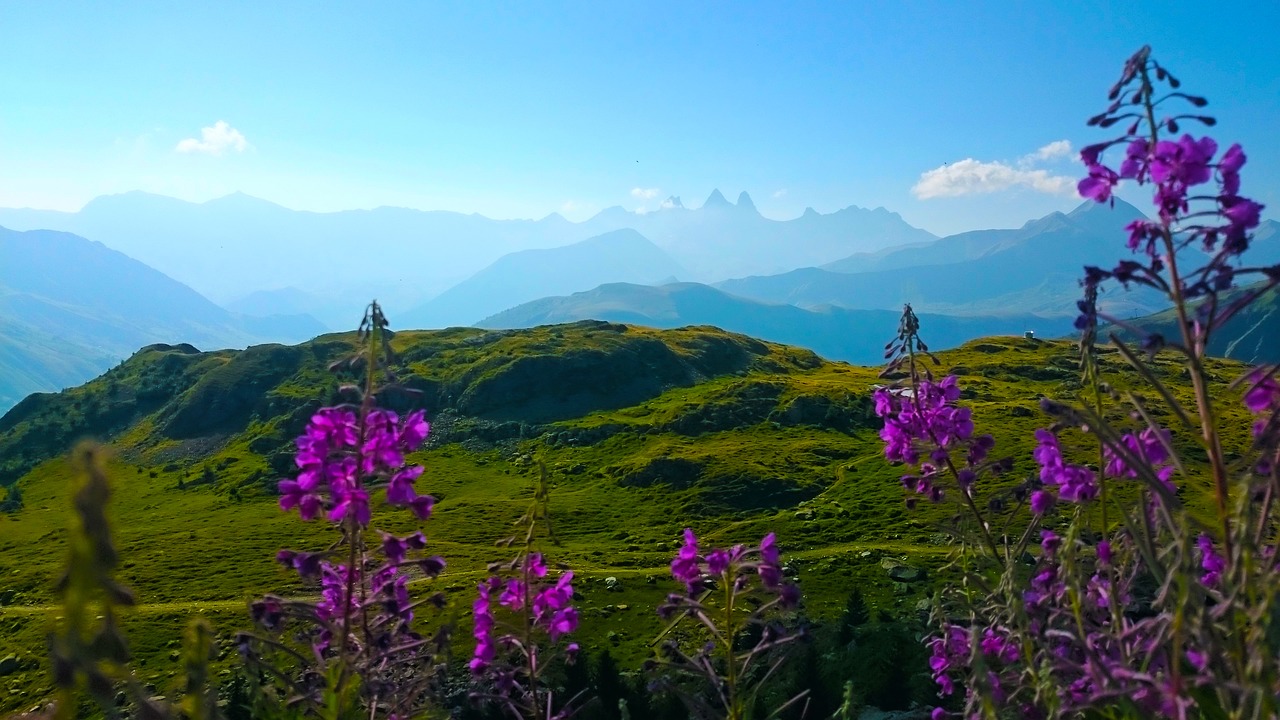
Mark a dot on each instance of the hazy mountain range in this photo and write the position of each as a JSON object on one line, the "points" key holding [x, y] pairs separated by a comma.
{"points": [[1035, 268], [71, 308], [239, 245], [856, 336], [617, 256]]}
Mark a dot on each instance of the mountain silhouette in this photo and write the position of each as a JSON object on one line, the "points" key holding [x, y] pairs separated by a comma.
{"points": [[617, 256], [856, 336]]}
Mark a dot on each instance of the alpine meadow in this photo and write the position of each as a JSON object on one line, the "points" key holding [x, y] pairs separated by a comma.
{"points": [[381, 447]]}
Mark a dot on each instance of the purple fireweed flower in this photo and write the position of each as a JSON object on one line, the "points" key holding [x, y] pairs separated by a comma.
{"points": [[684, 567], [718, 562], [1135, 160], [1185, 162], [327, 463], [1210, 561], [292, 495], [1229, 168], [1263, 396], [998, 645], [948, 652], [1198, 660], [335, 604], [400, 489], [1099, 591], [1099, 183], [769, 549], [1149, 447], [563, 622], [1041, 502], [353, 503], [486, 649], [1076, 483], [414, 430], [513, 594], [1241, 212], [925, 416], [395, 548], [552, 600], [1049, 542], [1144, 234], [537, 565]]}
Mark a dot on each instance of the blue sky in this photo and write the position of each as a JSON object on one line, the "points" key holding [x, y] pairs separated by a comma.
{"points": [[522, 109]]}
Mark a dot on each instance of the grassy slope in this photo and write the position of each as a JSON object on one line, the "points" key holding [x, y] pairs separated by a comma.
{"points": [[779, 441], [1250, 336]]}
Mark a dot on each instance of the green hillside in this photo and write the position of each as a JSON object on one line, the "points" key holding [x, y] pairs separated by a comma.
{"points": [[644, 432], [1251, 335]]}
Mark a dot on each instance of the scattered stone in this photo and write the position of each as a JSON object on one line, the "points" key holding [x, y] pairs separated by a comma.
{"points": [[611, 583], [8, 664], [804, 514], [121, 698], [906, 573], [175, 655], [924, 605], [7, 596], [865, 553], [624, 607], [650, 580]]}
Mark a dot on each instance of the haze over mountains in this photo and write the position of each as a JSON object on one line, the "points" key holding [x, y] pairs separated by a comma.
{"points": [[71, 306], [618, 256], [1034, 269], [238, 245]]}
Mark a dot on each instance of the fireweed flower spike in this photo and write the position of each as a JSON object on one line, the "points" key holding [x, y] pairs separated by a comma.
{"points": [[521, 623], [1134, 607], [927, 430], [718, 587], [358, 638]]}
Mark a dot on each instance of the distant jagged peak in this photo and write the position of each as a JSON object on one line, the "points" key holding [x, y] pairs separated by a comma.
{"points": [[1052, 220], [809, 212], [715, 199], [554, 217], [744, 202], [133, 198], [1113, 208], [241, 200]]}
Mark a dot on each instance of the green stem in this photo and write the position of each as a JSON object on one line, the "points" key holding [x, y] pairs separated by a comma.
{"points": [[731, 669]]}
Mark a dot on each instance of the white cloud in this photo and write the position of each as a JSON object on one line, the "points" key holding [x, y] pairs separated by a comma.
{"points": [[215, 140], [971, 177], [645, 193], [1052, 151], [780, 193]]}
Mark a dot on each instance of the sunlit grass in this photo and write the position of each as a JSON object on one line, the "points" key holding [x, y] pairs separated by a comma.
{"points": [[725, 407]]}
